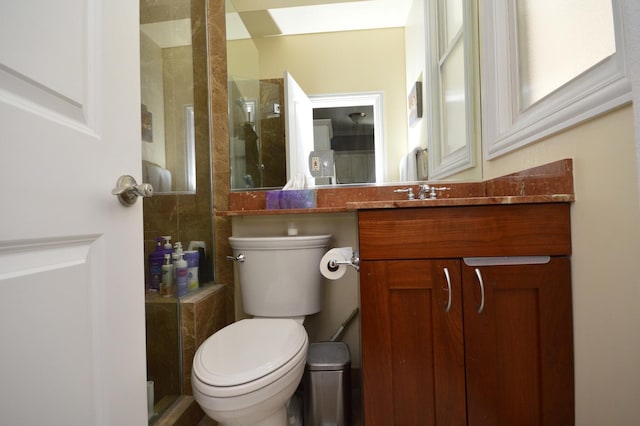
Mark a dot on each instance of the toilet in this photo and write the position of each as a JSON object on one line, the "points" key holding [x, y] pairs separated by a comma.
{"points": [[246, 373]]}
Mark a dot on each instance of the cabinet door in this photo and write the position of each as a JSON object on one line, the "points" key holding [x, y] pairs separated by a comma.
{"points": [[519, 348], [412, 347]]}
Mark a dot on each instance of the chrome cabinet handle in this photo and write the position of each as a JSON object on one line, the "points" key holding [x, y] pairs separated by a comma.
{"points": [[238, 258], [479, 275], [128, 190], [448, 278]]}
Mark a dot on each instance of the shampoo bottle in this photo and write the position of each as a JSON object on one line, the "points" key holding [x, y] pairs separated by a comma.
{"points": [[182, 276], [166, 286]]}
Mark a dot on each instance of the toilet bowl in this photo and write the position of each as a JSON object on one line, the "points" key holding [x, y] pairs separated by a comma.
{"points": [[246, 373]]}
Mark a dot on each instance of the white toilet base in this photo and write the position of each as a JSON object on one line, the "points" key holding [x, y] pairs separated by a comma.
{"points": [[279, 418], [255, 408]]}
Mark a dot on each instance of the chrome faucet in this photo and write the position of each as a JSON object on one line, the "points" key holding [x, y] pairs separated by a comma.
{"points": [[409, 191], [425, 189]]}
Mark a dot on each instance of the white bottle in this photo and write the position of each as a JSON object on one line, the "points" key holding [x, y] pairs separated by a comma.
{"points": [[166, 285], [182, 276], [168, 248], [177, 251]]}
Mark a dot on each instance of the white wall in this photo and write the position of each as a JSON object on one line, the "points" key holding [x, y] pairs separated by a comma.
{"points": [[345, 62], [415, 66]]}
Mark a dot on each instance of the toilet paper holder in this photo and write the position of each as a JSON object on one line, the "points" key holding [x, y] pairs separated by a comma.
{"points": [[354, 261]]}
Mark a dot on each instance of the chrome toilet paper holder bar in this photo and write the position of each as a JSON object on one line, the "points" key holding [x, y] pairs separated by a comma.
{"points": [[354, 261]]}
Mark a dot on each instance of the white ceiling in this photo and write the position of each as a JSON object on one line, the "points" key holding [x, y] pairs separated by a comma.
{"points": [[287, 17]]}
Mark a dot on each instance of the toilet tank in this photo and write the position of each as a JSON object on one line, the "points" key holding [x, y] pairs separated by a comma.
{"points": [[280, 276]]}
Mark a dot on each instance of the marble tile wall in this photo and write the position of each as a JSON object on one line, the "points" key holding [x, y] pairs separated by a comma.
{"points": [[202, 314], [272, 133], [219, 131], [187, 217], [163, 348]]}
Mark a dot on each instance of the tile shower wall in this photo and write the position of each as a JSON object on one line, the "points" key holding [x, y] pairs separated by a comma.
{"points": [[174, 332], [163, 349], [187, 217], [202, 314]]}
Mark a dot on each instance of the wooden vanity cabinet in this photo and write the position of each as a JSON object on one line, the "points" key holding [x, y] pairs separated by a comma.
{"points": [[428, 356]]}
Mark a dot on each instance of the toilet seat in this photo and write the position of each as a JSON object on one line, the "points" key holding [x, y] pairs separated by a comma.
{"points": [[248, 355]]}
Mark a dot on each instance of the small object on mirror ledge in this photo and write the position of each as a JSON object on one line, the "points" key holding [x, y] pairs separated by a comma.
{"points": [[291, 199]]}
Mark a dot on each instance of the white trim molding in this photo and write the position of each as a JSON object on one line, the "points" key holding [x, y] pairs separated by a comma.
{"points": [[441, 164], [600, 89], [374, 99]]}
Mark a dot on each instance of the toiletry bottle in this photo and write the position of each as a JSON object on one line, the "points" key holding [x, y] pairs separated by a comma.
{"points": [[192, 259], [177, 251], [168, 248], [181, 276], [166, 286], [156, 259]]}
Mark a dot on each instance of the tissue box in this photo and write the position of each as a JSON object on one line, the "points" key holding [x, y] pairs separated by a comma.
{"points": [[291, 199]]}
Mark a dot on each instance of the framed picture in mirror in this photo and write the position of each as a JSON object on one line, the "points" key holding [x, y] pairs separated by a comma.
{"points": [[415, 103]]}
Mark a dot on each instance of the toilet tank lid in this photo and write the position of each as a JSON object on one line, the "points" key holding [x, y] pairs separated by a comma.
{"points": [[280, 242], [248, 350]]}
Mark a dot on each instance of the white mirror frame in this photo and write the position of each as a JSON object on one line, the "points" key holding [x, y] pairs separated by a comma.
{"points": [[598, 90]]}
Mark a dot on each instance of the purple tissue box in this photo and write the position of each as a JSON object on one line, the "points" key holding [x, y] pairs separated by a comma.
{"points": [[291, 199]]}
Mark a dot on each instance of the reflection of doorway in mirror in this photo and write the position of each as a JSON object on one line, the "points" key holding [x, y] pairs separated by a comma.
{"points": [[350, 126], [351, 139]]}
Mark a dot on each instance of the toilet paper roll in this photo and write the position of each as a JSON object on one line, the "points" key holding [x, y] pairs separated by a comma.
{"points": [[342, 254]]}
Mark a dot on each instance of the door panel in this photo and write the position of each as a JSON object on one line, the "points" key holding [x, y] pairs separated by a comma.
{"points": [[519, 349], [49, 334], [71, 267], [412, 348], [299, 125], [35, 72]]}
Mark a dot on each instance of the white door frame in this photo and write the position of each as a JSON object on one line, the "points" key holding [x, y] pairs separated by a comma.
{"points": [[355, 99]]}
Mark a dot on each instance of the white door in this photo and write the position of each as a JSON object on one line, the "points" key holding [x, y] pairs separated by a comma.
{"points": [[71, 264], [299, 129]]}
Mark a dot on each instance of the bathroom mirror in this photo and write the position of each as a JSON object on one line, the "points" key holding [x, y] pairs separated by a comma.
{"points": [[257, 54], [167, 106]]}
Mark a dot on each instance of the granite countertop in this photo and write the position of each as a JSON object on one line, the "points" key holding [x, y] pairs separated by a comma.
{"points": [[467, 201], [550, 183]]}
